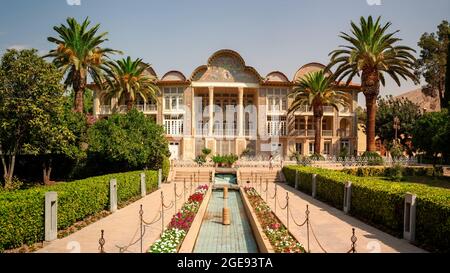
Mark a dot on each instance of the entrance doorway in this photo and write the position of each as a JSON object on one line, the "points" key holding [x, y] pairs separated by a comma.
{"points": [[174, 149]]}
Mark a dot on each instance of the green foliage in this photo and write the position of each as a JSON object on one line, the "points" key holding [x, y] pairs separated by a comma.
{"points": [[432, 62], [225, 159], [317, 157], [384, 171], [396, 150], [206, 151], [343, 153], [79, 54], [130, 141], [165, 167], [131, 79], [374, 159], [396, 173], [22, 212], [381, 203], [31, 108], [389, 108], [200, 160], [431, 133]]}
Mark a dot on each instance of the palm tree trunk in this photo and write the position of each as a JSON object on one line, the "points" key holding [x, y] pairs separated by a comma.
{"points": [[129, 103], [79, 87], [371, 104], [370, 83], [318, 116]]}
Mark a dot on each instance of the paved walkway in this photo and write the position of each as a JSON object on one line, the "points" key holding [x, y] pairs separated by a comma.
{"points": [[120, 227], [214, 237], [332, 227]]}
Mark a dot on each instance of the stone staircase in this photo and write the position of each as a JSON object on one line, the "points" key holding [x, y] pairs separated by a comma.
{"points": [[274, 176], [201, 175]]}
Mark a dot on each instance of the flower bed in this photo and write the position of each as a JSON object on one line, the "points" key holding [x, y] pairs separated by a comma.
{"points": [[280, 238], [180, 224]]}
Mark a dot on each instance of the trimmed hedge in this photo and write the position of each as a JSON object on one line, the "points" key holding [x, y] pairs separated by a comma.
{"points": [[22, 212], [381, 203], [385, 171]]}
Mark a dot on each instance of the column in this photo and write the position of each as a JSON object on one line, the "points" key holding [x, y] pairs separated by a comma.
{"points": [[241, 112], [96, 108], [211, 111], [193, 121], [306, 125]]}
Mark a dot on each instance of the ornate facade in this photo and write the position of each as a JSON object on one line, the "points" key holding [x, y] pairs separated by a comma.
{"points": [[229, 108]]}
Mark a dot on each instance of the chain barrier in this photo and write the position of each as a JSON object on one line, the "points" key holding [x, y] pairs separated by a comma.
{"points": [[353, 239]]}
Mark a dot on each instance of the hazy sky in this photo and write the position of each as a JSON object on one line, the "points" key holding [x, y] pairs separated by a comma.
{"points": [[181, 34]]}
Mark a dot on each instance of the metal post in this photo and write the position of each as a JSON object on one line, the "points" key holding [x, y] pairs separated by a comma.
{"points": [[101, 242], [175, 194], [267, 191], [190, 189], [287, 209], [275, 200], [307, 227], [141, 216], [162, 212], [184, 189]]}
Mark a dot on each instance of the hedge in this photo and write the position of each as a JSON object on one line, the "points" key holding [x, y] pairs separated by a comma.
{"points": [[381, 203], [385, 171], [22, 212]]}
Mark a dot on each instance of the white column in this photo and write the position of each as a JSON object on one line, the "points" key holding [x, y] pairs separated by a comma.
{"points": [[241, 112], [193, 123], [211, 110], [96, 108]]}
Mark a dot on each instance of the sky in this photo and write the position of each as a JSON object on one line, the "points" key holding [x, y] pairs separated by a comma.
{"points": [[180, 35]]}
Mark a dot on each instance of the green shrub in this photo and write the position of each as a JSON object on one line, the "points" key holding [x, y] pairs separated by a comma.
{"points": [[225, 159], [206, 151], [385, 171], [381, 203], [165, 167], [200, 160], [396, 173], [317, 157], [374, 159], [22, 212]]}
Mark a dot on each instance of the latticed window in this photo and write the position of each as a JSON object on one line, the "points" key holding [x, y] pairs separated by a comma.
{"points": [[173, 98], [276, 125], [174, 124], [276, 99]]}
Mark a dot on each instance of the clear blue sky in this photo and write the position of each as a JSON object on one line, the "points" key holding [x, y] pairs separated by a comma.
{"points": [[181, 34]]}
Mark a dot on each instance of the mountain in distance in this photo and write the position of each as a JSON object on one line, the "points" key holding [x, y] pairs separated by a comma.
{"points": [[427, 103]]}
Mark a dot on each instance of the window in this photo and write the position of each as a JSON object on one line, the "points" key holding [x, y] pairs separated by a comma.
{"points": [[173, 98], [276, 99], [276, 125], [311, 148], [298, 148], [327, 147]]}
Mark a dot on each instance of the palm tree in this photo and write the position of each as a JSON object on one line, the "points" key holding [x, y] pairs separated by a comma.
{"points": [[316, 90], [129, 77], [78, 54], [373, 53]]}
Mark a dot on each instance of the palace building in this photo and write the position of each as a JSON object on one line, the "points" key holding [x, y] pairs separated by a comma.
{"points": [[230, 108]]}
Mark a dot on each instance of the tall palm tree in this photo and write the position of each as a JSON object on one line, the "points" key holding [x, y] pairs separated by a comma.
{"points": [[129, 77], [372, 53], [78, 54], [316, 90]]}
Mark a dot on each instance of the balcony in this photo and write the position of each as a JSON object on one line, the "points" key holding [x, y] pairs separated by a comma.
{"points": [[276, 128], [344, 133], [105, 110], [328, 109], [327, 133], [173, 127], [304, 109], [275, 109]]}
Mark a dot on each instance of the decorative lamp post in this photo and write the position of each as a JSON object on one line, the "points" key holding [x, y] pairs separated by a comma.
{"points": [[396, 127]]}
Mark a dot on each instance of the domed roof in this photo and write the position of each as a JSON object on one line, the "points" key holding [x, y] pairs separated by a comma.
{"points": [[173, 76]]}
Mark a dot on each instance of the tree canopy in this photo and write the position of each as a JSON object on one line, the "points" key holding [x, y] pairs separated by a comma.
{"points": [[406, 111], [432, 62], [130, 141], [31, 109]]}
